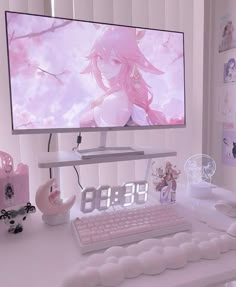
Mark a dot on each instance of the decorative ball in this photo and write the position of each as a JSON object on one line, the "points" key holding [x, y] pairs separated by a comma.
{"points": [[212, 235], [209, 250], [231, 230], [225, 242], [92, 275], [152, 263], [96, 259], [134, 250], [200, 235], [224, 246], [111, 274], [117, 251], [229, 240], [111, 259], [88, 277], [182, 237], [169, 241], [71, 280], [219, 243], [147, 244], [157, 249], [175, 257], [191, 250], [196, 241], [233, 243], [79, 266], [131, 266]]}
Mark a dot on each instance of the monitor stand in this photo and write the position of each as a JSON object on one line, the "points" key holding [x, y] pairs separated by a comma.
{"points": [[104, 151]]}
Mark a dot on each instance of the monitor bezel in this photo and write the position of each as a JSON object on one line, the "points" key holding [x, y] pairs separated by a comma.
{"points": [[90, 129]]}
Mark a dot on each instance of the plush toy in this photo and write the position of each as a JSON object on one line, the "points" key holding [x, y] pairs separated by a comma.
{"points": [[14, 217]]}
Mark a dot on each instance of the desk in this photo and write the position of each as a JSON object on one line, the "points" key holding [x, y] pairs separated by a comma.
{"points": [[41, 256]]}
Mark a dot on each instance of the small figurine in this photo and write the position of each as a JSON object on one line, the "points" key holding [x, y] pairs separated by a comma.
{"points": [[55, 210], [15, 217], [164, 181]]}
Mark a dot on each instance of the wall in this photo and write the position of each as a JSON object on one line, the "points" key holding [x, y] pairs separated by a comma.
{"points": [[219, 97], [180, 15]]}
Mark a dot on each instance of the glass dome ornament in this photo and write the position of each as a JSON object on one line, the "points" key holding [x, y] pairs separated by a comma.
{"points": [[200, 169]]}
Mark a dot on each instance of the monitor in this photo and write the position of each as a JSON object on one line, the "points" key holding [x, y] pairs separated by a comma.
{"points": [[69, 75]]}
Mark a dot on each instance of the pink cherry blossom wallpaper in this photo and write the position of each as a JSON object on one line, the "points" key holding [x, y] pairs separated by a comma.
{"points": [[69, 74]]}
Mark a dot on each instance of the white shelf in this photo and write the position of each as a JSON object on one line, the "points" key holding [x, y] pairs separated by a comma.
{"points": [[69, 158]]}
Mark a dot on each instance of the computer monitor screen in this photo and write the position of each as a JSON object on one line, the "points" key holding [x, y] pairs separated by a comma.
{"points": [[70, 75]]}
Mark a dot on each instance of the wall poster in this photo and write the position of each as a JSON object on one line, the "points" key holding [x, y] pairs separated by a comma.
{"points": [[227, 33], [227, 107], [229, 147], [230, 71]]}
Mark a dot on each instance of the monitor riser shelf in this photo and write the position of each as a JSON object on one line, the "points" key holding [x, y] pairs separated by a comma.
{"points": [[70, 158]]}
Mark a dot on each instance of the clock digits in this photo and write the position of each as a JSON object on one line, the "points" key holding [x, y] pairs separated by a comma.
{"points": [[141, 194], [117, 195], [103, 194], [129, 193], [88, 199]]}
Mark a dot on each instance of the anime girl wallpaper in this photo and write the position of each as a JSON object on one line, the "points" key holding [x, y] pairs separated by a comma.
{"points": [[116, 67], [70, 74]]}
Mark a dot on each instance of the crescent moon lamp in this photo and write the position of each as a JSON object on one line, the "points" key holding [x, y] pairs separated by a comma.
{"points": [[55, 210]]}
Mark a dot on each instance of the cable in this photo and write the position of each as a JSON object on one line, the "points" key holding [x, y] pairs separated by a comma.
{"points": [[50, 170], [78, 176], [49, 142], [78, 141]]}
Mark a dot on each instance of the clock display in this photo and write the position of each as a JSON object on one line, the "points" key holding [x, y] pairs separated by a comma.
{"points": [[106, 196]]}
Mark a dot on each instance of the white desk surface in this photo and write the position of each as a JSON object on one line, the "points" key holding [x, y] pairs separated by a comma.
{"points": [[41, 256]]}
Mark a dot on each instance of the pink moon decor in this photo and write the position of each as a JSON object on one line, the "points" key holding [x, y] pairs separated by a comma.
{"points": [[55, 210]]}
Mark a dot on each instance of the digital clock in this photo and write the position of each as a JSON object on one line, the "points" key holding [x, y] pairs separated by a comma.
{"points": [[106, 196]]}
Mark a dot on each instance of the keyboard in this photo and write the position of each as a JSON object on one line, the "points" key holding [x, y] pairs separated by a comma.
{"points": [[127, 225]]}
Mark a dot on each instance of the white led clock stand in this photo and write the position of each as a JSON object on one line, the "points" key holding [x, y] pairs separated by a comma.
{"points": [[106, 196]]}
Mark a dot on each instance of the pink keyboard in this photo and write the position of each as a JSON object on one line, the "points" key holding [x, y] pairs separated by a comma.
{"points": [[106, 229]]}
